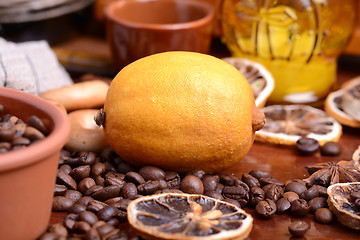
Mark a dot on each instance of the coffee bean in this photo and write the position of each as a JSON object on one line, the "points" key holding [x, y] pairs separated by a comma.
{"points": [[93, 189], [316, 203], [299, 208], [219, 188], [298, 228], [113, 200], [322, 191], [266, 208], [66, 179], [152, 173], [95, 205], [33, 134], [197, 173], [58, 229], [113, 221], [80, 172], [100, 180], [62, 204], [191, 184], [173, 179], [128, 190], [232, 201], [274, 192], [98, 169], [104, 229], [310, 193], [85, 184], [250, 180], [84, 200], [290, 196], [77, 208], [150, 187], [324, 215], [73, 194], [106, 193], [296, 187], [82, 226], [113, 180], [210, 182], [256, 195], [227, 180], [107, 213], [240, 194], [282, 205], [135, 178], [214, 194], [70, 220], [89, 217], [266, 181], [331, 149], [92, 234], [65, 168], [124, 167], [59, 190], [50, 236], [260, 174], [307, 146]]}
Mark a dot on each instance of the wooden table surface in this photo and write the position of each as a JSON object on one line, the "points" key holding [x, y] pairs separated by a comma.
{"points": [[282, 162]]}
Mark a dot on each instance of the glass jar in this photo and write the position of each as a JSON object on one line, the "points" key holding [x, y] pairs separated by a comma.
{"points": [[299, 41]]}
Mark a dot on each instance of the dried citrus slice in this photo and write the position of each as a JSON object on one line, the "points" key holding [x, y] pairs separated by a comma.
{"points": [[341, 203], [187, 216], [336, 101], [260, 79], [285, 124]]}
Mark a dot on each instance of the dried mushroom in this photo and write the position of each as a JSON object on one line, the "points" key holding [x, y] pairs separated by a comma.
{"points": [[343, 201]]}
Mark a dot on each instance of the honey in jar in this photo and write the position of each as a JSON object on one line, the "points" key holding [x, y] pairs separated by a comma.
{"points": [[298, 41]]}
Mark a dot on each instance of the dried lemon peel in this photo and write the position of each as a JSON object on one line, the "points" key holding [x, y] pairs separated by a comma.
{"points": [[188, 216], [341, 205], [285, 124], [260, 79], [334, 106]]}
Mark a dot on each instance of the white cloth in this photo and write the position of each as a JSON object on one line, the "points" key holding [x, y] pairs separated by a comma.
{"points": [[31, 67]]}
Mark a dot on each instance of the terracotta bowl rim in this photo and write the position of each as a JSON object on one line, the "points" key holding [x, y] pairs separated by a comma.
{"points": [[112, 6], [46, 147]]}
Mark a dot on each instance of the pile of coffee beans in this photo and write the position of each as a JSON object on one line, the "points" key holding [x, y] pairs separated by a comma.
{"points": [[16, 133], [95, 190]]}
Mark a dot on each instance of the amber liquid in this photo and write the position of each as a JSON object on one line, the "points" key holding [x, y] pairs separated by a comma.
{"points": [[298, 41]]}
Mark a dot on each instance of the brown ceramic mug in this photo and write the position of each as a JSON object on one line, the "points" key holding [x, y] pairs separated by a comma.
{"points": [[138, 28]]}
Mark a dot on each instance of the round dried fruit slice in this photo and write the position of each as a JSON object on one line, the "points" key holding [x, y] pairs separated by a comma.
{"points": [[285, 124], [344, 104], [260, 79], [341, 203], [187, 216]]}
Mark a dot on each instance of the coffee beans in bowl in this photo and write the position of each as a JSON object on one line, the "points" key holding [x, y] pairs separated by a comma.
{"points": [[32, 133]]}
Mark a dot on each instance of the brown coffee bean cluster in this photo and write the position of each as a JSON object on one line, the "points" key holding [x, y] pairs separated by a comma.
{"points": [[15, 133], [95, 190]]}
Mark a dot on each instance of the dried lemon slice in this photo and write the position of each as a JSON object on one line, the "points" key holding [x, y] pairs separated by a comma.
{"points": [[285, 124], [187, 216], [334, 104], [341, 203], [260, 79]]}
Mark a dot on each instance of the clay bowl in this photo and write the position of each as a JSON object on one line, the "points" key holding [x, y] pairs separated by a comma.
{"points": [[138, 28], [28, 175]]}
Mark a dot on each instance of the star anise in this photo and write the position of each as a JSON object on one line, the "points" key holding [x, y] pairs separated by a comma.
{"points": [[329, 173]]}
